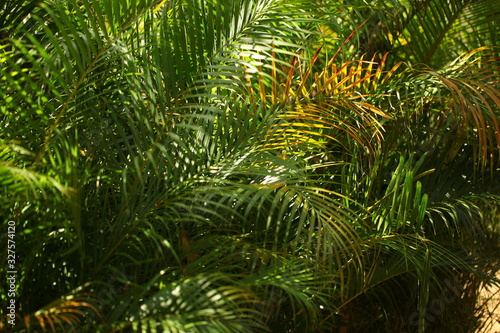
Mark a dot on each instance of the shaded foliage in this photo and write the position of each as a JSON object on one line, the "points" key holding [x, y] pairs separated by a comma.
{"points": [[250, 165]]}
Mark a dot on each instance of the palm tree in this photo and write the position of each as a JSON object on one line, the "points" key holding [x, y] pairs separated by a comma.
{"points": [[242, 166]]}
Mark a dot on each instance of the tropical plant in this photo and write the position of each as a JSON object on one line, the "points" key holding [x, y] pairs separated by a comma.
{"points": [[248, 165]]}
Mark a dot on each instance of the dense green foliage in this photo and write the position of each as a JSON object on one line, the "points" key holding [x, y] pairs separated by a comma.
{"points": [[249, 165]]}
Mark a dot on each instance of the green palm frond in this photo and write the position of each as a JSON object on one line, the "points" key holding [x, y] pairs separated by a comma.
{"points": [[431, 32], [200, 303], [230, 166]]}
